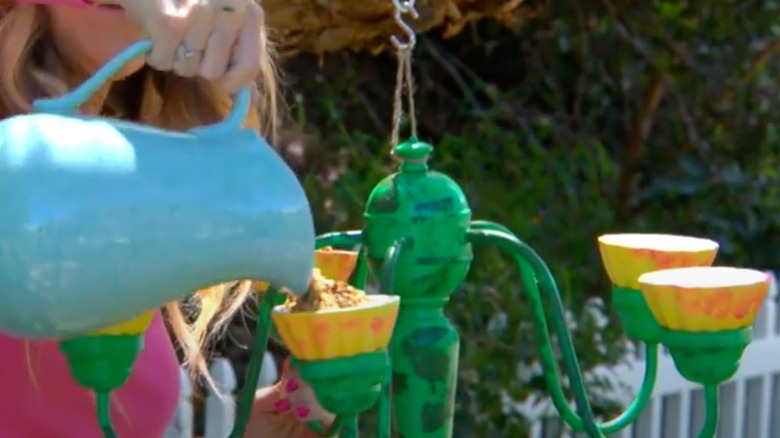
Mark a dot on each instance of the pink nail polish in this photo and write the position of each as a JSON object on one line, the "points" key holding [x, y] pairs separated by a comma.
{"points": [[302, 411], [282, 405], [292, 385]]}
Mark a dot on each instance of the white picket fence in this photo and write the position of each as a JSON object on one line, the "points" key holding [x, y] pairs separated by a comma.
{"points": [[750, 403], [220, 409]]}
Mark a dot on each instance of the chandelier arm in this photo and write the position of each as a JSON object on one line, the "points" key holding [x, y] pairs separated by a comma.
{"points": [[341, 239], [521, 251], [258, 348], [710, 426]]}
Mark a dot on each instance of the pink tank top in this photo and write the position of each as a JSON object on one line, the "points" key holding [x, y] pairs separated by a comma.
{"points": [[41, 400]]}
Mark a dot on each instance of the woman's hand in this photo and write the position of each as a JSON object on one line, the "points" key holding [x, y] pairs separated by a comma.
{"points": [[214, 39], [283, 410]]}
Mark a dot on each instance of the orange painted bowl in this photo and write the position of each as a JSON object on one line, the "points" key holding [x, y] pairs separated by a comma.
{"points": [[335, 264], [627, 256], [705, 299], [337, 333]]}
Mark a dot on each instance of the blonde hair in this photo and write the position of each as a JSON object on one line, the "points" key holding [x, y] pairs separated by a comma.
{"points": [[31, 69]]}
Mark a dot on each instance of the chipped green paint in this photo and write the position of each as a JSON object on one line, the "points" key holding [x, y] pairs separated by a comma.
{"points": [[428, 362], [433, 417], [429, 212], [400, 383], [386, 201], [425, 369]]}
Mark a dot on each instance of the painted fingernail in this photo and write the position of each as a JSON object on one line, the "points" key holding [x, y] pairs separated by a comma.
{"points": [[282, 405], [302, 411], [292, 385]]}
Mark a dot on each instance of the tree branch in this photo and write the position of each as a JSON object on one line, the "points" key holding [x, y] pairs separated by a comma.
{"points": [[635, 145]]}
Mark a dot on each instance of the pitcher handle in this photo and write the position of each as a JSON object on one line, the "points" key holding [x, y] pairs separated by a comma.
{"points": [[69, 103]]}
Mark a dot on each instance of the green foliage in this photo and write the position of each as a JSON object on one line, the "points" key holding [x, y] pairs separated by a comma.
{"points": [[601, 116]]}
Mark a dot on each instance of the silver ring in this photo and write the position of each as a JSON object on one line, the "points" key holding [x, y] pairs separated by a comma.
{"points": [[184, 53]]}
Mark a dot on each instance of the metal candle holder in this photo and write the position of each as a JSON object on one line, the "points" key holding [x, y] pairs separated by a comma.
{"points": [[419, 234]]}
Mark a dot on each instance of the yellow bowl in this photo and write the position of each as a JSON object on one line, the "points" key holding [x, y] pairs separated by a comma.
{"points": [[336, 333], [135, 326], [627, 256], [703, 299], [335, 264]]}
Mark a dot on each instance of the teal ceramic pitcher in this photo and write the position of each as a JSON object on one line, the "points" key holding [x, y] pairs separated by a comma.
{"points": [[101, 219]]}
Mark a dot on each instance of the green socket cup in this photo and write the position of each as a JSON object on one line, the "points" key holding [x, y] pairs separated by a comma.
{"points": [[707, 358], [347, 386], [638, 321]]}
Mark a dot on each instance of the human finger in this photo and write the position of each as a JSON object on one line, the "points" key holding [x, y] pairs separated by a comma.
{"points": [[306, 412], [229, 16], [167, 30], [189, 53], [244, 65], [299, 399], [266, 399], [287, 367]]}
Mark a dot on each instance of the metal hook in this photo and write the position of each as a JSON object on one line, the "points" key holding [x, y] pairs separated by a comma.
{"points": [[405, 6], [402, 7]]}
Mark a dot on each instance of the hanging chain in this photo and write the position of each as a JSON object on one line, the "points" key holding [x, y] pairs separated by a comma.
{"points": [[404, 80]]}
